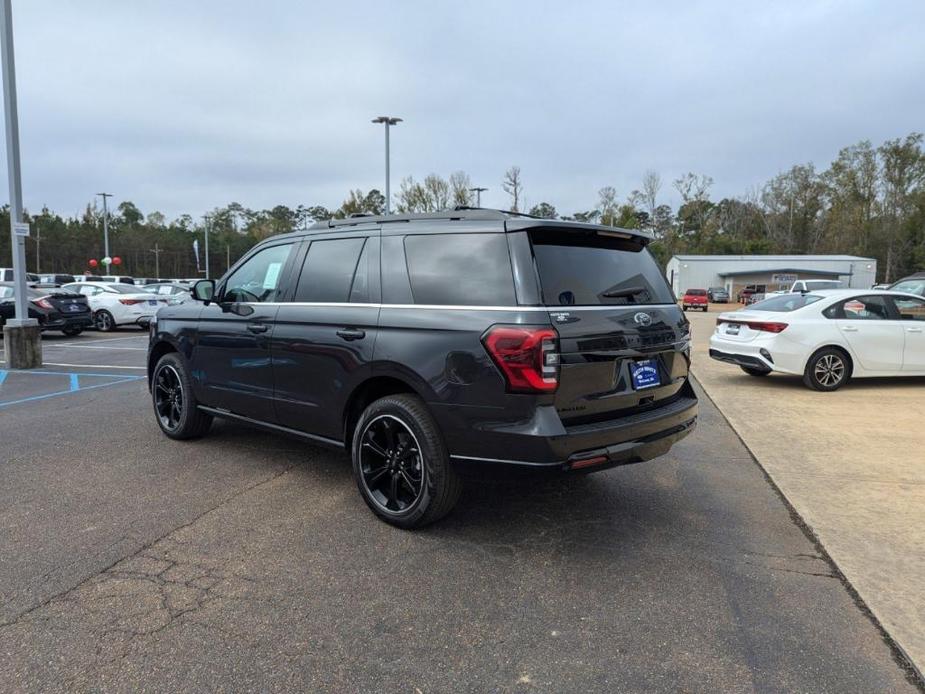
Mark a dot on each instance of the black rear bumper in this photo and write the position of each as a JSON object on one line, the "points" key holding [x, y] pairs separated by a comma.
{"points": [[544, 442], [67, 322]]}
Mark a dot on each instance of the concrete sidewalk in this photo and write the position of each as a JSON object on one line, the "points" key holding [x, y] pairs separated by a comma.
{"points": [[852, 463]]}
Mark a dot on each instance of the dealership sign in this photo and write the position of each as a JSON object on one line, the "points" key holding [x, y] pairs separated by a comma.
{"points": [[784, 279]]}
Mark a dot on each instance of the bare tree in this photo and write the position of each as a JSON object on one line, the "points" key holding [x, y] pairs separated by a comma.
{"points": [[608, 205], [513, 186], [459, 189]]}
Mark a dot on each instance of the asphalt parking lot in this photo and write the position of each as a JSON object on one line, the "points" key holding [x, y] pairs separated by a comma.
{"points": [[248, 561]]}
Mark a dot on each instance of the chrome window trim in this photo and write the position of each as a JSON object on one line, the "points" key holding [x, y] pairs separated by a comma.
{"points": [[457, 307]]}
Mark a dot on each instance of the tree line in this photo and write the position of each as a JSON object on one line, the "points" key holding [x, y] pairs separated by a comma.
{"points": [[869, 201]]}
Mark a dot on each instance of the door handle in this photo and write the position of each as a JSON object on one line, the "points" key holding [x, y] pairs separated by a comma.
{"points": [[350, 334], [914, 330], [849, 329], [258, 327]]}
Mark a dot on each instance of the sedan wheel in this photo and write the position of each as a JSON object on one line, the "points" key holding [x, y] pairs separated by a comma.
{"points": [[104, 321], [827, 370]]}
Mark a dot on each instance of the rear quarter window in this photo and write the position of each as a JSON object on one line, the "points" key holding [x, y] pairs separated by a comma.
{"points": [[460, 269]]}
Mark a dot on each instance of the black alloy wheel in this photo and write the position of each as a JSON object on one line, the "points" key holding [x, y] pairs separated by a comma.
{"points": [[168, 397], [175, 405], [391, 464], [401, 464]]}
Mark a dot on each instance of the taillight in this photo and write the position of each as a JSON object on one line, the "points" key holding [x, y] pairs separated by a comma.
{"points": [[131, 302], [44, 303], [766, 326], [528, 357]]}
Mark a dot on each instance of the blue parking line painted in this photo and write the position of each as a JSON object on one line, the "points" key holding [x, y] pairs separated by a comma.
{"points": [[125, 379], [70, 373], [75, 382], [3, 374]]}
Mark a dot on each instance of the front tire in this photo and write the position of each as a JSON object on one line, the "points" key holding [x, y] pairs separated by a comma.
{"points": [[401, 464], [827, 370], [72, 332], [754, 372], [104, 321], [175, 406]]}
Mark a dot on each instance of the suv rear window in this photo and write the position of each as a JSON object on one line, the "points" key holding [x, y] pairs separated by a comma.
{"points": [[329, 269], [578, 268], [460, 269]]}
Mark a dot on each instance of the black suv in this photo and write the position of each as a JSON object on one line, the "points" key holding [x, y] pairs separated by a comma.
{"points": [[422, 342]]}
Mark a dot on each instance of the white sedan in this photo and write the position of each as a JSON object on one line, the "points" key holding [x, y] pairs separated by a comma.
{"points": [[116, 304], [826, 336]]}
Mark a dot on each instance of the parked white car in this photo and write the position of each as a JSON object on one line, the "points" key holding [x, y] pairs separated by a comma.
{"points": [[115, 304], [827, 336]]}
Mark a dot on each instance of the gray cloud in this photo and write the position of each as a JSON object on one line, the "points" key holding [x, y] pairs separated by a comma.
{"points": [[183, 106]]}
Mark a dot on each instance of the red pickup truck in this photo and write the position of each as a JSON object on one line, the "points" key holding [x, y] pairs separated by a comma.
{"points": [[695, 298]]}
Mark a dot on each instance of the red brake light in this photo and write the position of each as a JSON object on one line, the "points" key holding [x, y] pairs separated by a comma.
{"points": [[44, 303], [527, 357], [131, 302], [766, 326]]}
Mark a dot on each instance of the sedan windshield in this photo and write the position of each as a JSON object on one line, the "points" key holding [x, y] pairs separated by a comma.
{"points": [[785, 303]]}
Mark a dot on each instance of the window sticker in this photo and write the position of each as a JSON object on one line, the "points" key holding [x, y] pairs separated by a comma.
{"points": [[272, 277]]}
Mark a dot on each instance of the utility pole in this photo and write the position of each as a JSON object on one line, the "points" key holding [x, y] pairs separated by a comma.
{"points": [[227, 256], [38, 246], [388, 121], [22, 337], [157, 259], [105, 226], [478, 195]]}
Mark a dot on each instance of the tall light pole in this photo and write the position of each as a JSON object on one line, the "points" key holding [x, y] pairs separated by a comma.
{"points": [[208, 222], [157, 250], [22, 338], [478, 195], [388, 121], [105, 225]]}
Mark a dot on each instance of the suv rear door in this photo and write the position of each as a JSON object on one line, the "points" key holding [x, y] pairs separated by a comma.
{"points": [[623, 339]]}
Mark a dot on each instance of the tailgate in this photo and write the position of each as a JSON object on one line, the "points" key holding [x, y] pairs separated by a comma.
{"points": [[601, 348]]}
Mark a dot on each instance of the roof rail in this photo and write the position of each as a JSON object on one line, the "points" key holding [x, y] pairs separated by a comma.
{"points": [[460, 213]]}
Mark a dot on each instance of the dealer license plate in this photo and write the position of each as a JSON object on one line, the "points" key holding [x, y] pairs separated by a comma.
{"points": [[645, 374]]}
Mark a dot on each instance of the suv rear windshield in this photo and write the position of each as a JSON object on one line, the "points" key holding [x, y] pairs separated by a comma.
{"points": [[785, 303], [586, 268]]}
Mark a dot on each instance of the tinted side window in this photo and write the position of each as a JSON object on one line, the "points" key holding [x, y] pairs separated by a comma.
{"points": [[863, 308], [910, 309], [327, 275], [460, 269], [257, 280]]}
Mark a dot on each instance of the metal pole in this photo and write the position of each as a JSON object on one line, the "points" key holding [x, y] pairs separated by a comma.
{"points": [[105, 226], [478, 195], [208, 222], [38, 247], [388, 194], [18, 243]]}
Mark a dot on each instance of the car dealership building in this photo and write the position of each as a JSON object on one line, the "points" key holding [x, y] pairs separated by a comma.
{"points": [[766, 273]]}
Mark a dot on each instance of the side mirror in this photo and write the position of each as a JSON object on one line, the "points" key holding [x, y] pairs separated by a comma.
{"points": [[204, 290]]}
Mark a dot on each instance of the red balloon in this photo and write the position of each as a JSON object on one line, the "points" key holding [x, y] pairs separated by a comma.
{"points": [[93, 262], [117, 260]]}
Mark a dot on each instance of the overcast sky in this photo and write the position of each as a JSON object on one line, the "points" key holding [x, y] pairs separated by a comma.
{"points": [[185, 106]]}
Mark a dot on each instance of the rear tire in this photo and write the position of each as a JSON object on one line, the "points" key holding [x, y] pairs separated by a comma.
{"points": [[175, 406], [104, 321], [72, 332], [401, 464], [754, 372], [827, 370]]}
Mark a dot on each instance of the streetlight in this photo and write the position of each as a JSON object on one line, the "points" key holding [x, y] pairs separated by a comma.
{"points": [[105, 226], [22, 338], [387, 120], [478, 195]]}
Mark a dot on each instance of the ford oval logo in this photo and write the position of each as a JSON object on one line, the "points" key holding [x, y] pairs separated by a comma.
{"points": [[642, 319]]}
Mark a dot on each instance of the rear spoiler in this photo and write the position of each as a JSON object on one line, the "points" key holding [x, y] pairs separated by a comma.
{"points": [[643, 238]]}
